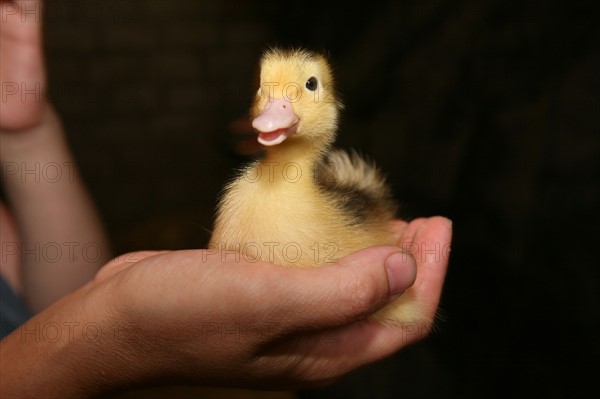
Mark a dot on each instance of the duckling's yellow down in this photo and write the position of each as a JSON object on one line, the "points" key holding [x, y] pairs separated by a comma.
{"points": [[303, 204]]}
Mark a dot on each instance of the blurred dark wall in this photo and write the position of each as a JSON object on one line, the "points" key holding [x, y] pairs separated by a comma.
{"points": [[487, 112]]}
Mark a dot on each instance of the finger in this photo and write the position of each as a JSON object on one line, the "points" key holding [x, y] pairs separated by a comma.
{"points": [[22, 19], [430, 245], [326, 355], [411, 229], [350, 290], [22, 63], [123, 262]]}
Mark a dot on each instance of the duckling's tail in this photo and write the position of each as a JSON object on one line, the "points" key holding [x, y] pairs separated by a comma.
{"points": [[357, 185]]}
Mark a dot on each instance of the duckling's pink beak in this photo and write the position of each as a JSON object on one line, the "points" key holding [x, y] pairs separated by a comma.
{"points": [[276, 122]]}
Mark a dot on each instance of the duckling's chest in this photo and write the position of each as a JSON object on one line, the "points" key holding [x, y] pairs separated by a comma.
{"points": [[285, 221]]}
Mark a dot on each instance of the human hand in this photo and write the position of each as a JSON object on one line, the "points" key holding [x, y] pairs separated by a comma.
{"points": [[232, 323], [191, 317], [22, 71]]}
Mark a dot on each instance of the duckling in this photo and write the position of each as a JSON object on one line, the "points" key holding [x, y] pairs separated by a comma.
{"points": [[304, 204]]}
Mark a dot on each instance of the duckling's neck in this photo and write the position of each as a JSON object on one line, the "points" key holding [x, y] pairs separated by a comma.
{"points": [[292, 159]]}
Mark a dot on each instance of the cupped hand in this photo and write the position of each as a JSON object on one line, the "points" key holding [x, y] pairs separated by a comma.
{"points": [[215, 318], [22, 71]]}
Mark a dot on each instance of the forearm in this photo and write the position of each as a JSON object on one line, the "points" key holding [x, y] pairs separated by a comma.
{"points": [[36, 364], [74, 349], [62, 240]]}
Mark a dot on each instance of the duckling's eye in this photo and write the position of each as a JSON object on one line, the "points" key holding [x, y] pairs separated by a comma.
{"points": [[312, 83]]}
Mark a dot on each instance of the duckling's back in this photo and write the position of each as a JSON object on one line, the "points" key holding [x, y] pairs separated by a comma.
{"points": [[357, 187]]}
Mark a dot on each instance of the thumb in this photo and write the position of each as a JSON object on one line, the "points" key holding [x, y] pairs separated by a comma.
{"points": [[357, 286]]}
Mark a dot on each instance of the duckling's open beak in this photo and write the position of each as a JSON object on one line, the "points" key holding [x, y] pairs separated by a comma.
{"points": [[276, 122]]}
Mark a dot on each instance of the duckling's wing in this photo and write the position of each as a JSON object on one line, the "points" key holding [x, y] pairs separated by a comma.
{"points": [[357, 187]]}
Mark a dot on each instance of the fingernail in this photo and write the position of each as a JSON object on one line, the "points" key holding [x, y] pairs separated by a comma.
{"points": [[402, 272]]}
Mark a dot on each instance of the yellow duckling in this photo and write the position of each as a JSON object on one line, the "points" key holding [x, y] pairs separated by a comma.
{"points": [[303, 204]]}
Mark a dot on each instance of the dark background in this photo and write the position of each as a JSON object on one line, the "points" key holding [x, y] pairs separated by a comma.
{"points": [[484, 111]]}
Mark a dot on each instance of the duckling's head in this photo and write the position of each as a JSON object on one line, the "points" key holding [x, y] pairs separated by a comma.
{"points": [[296, 99]]}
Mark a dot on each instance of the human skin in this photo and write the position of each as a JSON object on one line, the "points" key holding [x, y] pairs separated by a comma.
{"points": [[49, 210], [199, 317]]}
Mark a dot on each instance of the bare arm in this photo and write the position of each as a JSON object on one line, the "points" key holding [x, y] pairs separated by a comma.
{"points": [[62, 244], [59, 243]]}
